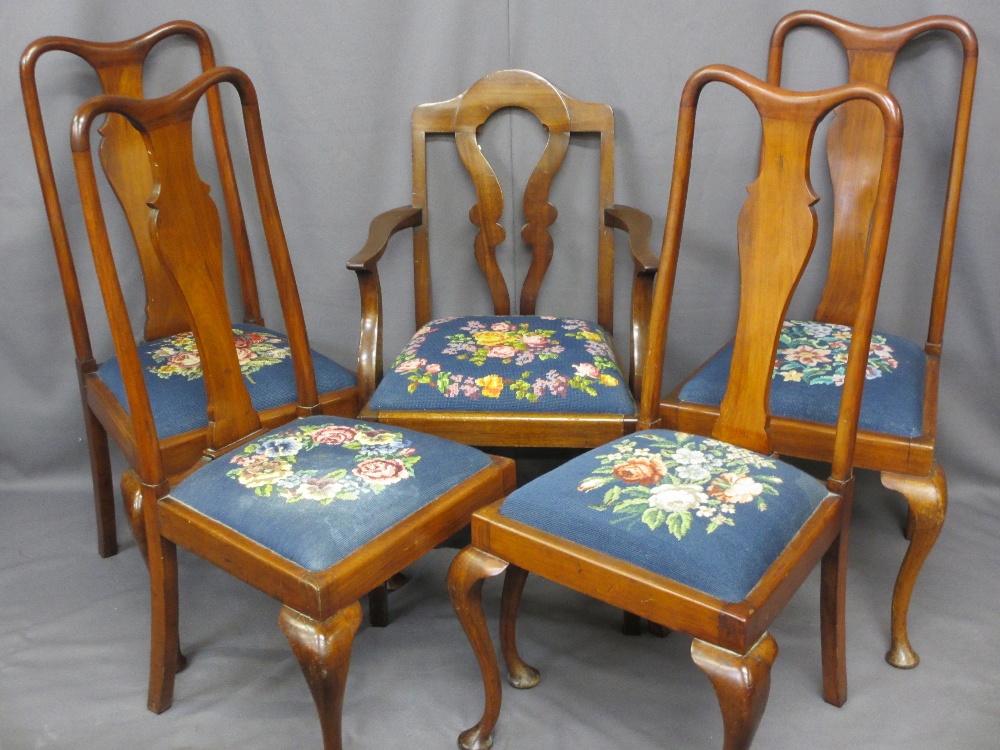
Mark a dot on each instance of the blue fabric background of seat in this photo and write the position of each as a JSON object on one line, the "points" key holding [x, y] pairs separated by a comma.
{"points": [[891, 404], [297, 489], [609, 500], [179, 403], [515, 363]]}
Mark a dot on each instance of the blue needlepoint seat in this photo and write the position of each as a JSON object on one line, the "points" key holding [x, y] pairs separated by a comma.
{"points": [[699, 511], [317, 489], [521, 363], [172, 371], [809, 373]]}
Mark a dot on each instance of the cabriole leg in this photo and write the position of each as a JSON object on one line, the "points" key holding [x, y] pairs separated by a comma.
{"points": [[927, 500], [465, 585], [323, 650], [742, 684]]}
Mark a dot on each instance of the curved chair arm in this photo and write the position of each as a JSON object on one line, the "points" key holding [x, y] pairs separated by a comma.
{"points": [[638, 226], [365, 265]]}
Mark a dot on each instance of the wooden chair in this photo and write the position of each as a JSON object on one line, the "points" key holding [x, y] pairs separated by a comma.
{"points": [[316, 512], [176, 390], [520, 380], [703, 531], [898, 424]]}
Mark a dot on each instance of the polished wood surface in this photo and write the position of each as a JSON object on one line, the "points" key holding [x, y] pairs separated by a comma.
{"points": [[776, 233], [320, 611], [119, 67], [854, 152], [461, 118]]}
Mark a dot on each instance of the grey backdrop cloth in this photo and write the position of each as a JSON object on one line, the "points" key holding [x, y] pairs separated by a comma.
{"points": [[337, 82]]}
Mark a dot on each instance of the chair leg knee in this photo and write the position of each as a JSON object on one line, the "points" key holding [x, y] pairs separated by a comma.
{"points": [[323, 650], [927, 501], [742, 684], [131, 489]]}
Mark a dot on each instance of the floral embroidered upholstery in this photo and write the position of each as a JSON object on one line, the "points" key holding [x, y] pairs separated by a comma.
{"points": [[809, 371], [317, 489], [173, 376], [707, 514], [524, 363]]}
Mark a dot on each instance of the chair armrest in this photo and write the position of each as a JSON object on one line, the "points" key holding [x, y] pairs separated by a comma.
{"points": [[638, 226], [380, 231], [365, 265]]}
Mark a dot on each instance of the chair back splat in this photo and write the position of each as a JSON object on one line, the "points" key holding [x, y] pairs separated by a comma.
{"points": [[120, 66], [853, 147]]}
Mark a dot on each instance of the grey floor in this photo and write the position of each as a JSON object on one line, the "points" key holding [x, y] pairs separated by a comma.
{"points": [[73, 654]]}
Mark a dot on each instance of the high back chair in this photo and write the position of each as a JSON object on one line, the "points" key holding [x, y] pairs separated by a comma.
{"points": [[704, 531], [515, 378], [176, 389], [316, 512], [898, 424]]}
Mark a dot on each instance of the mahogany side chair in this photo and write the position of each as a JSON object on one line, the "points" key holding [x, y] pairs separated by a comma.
{"points": [[517, 379], [898, 423], [167, 350], [705, 532], [315, 512]]}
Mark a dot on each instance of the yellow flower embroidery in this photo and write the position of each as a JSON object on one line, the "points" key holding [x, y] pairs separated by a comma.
{"points": [[492, 385], [490, 338]]}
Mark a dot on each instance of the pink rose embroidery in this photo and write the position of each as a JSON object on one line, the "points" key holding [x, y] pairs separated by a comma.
{"points": [[185, 360], [381, 470], [334, 435], [410, 365]]}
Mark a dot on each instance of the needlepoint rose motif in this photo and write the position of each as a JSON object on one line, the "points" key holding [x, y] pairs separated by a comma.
{"points": [[178, 355], [816, 354], [509, 342], [268, 467], [670, 482]]}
